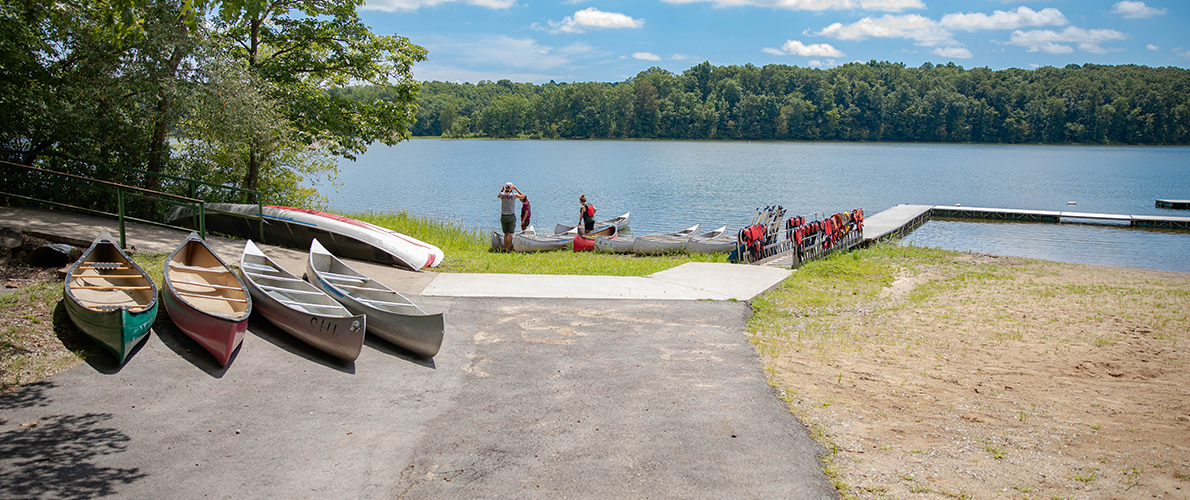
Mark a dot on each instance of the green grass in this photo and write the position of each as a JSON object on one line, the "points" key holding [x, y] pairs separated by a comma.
{"points": [[469, 251]]}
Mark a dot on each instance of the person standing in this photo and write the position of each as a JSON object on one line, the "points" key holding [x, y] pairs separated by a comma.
{"points": [[526, 213], [586, 215], [508, 196]]}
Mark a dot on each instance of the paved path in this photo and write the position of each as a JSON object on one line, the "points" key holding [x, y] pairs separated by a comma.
{"points": [[528, 398]]}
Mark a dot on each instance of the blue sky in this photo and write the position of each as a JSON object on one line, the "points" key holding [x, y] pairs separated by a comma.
{"points": [[612, 40]]}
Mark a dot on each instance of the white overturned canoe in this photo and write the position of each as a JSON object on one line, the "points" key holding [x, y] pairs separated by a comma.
{"points": [[674, 242], [295, 227], [716, 243], [620, 222], [301, 309], [391, 316]]}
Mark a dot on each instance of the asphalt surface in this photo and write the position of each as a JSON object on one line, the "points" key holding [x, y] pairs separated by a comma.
{"points": [[529, 398]]}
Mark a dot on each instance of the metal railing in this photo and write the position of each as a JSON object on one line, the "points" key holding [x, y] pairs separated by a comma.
{"points": [[48, 180]]}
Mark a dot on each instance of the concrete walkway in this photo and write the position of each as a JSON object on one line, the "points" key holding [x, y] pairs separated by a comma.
{"points": [[528, 398]]}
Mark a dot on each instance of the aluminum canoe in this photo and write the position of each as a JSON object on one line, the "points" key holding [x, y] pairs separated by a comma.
{"points": [[586, 242], [391, 316], [719, 243], [655, 244], [109, 297], [299, 308], [619, 244], [295, 227], [498, 237], [620, 222], [530, 241], [205, 298]]}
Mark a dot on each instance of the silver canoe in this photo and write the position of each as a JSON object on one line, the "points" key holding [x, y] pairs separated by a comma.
{"points": [[674, 242], [498, 237], [712, 243], [391, 316], [621, 244], [301, 309], [530, 241], [620, 222]]}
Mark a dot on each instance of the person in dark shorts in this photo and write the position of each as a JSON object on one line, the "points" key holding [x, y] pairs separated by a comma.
{"points": [[586, 216], [508, 196]]}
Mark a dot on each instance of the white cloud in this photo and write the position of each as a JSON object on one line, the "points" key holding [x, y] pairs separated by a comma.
{"points": [[411, 5], [1136, 10], [679, 57], [816, 5], [814, 62], [1004, 20], [953, 52], [1152, 47], [1051, 41], [922, 30], [591, 19], [500, 51], [646, 56], [797, 48]]}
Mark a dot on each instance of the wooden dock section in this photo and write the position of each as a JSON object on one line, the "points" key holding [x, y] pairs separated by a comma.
{"points": [[895, 222]]}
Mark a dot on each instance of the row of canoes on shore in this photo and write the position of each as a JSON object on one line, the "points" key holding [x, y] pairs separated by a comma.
{"points": [[114, 301], [607, 238]]}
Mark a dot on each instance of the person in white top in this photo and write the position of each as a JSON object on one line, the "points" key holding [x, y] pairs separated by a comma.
{"points": [[508, 196]]}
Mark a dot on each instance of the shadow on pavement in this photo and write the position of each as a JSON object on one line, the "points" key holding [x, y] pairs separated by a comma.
{"points": [[182, 345], [270, 333], [27, 396], [53, 458], [79, 343], [397, 351]]}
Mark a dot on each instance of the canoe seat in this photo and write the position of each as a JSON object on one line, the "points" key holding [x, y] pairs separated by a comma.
{"points": [[195, 283], [90, 287], [384, 302], [212, 297], [258, 267], [196, 269], [342, 277], [303, 304], [271, 277], [107, 276], [288, 290], [106, 266], [349, 287]]}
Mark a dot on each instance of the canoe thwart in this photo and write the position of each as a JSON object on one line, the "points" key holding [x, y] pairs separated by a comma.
{"points": [[258, 267], [287, 290], [90, 287], [195, 283], [105, 266], [212, 297], [107, 276], [343, 277], [270, 277], [303, 304], [196, 269]]}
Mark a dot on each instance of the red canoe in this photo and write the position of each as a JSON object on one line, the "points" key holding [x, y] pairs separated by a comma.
{"points": [[586, 242], [206, 299]]}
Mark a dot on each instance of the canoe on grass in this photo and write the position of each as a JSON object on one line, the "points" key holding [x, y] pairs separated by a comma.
{"points": [[498, 237], [619, 244], [586, 242], [205, 298], [655, 244], [620, 222], [109, 297], [720, 243], [301, 309], [530, 241], [391, 316]]}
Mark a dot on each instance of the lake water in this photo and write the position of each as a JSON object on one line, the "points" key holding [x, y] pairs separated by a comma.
{"points": [[668, 185]]}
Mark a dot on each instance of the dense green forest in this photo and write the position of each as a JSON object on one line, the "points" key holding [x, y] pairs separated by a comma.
{"points": [[875, 101]]}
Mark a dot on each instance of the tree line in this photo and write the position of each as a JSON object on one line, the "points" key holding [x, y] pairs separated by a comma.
{"points": [[874, 101], [232, 92]]}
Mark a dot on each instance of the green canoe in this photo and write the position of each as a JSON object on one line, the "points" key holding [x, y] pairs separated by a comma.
{"points": [[110, 298]]}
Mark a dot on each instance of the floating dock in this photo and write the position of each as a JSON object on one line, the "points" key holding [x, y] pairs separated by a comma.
{"points": [[1174, 204], [901, 219]]}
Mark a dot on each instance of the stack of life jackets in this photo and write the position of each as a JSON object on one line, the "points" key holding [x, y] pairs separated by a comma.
{"points": [[752, 237]]}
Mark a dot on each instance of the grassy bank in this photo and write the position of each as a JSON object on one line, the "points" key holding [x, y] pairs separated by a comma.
{"points": [[469, 251], [940, 374]]}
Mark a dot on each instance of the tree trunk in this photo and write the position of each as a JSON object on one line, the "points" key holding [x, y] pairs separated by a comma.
{"points": [[158, 147]]}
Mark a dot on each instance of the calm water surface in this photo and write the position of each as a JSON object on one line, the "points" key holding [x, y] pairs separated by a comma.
{"points": [[668, 185]]}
